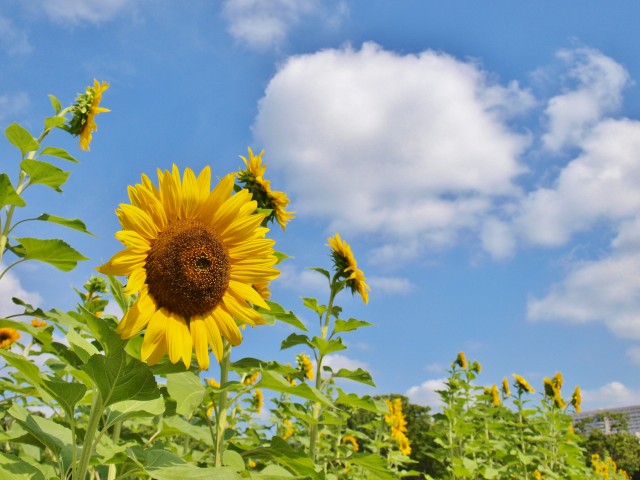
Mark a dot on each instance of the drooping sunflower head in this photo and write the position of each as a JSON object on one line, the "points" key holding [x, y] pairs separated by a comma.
{"points": [[505, 387], [522, 385], [193, 255], [252, 178], [461, 361], [495, 396], [85, 109], [305, 365], [576, 399], [347, 267], [257, 401], [8, 336]]}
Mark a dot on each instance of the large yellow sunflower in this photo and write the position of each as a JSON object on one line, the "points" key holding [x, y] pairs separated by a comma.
{"points": [[85, 109], [8, 336], [192, 254], [347, 266], [252, 178]]}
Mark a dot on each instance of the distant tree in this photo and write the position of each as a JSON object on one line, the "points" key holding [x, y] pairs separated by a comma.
{"points": [[624, 449]]}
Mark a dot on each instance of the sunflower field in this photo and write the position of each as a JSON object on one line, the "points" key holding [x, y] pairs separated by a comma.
{"points": [[90, 395]]}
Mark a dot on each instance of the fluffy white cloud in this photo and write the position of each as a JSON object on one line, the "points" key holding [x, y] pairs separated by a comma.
{"points": [[611, 395], [12, 39], [600, 81], [391, 285], [79, 11], [266, 23], [414, 148], [337, 361], [298, 280], [10, 286], [425, 393]]}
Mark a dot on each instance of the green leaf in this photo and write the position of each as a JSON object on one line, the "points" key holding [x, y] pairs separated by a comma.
{"points": [[55, 103], [276, 312], [21, 138], [57, 152], [322, 271], [325, 347], [272, 472], [234, 460], [52, 122], [374, 464], [64, 318], [106, 336], [8, 195], [75, 223], [42, 335], [13, 468], [81, 346], [187, 390], [358, 375], [294, 460], [312, 304], [116, 287], [176, 425], [134, 409], [293, 340], [365, 402], [54, 252], [349, 325], [121, 378], [68, 394], [44, 173], [180, 472], [27, 368], [275, 382]]}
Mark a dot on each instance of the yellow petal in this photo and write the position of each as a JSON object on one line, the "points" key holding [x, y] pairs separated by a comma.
{"points": [[123, 263], [213, 336], [136, 281], [190, 194], [241, 311], [134, 218], [216, 198], [179, 343], [204, 182], [226, 325], [242, 290], [170, 195], [133, 241], [137, 317], [199, 336], [158, 352], [155, 334]]}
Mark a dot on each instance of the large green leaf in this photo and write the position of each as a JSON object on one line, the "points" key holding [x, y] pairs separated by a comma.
{"points": [[349, 325], [55, 103], [107, 337], [68, 394], [364, 402], [44, 173], [187, 390], [325, 347], [175, 425], [54, 252], [13, 468], [276, 312], [358, 375], [163, 465], [374, 464], [57, 152], [81, 346], [294, 460], [75, 223], [134, 409], [8, 195], [21, 138], [275, 382], [293, 340], [52, 122], [120, 377], [28, 369]]}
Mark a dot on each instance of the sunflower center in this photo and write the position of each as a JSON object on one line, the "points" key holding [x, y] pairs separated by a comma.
{"points": [[188, 268]]}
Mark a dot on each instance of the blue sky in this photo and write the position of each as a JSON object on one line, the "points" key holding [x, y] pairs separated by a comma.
{"points": [[482, 159]]}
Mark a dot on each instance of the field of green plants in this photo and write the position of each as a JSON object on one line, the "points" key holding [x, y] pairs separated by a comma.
{"points": [[89, 395]]}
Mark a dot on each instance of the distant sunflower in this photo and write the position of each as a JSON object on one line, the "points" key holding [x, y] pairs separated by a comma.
{"points": [[252, 178], [36, 322], [505, 387], [193, 255], [495, 396], [576, 399], [85, 109], [522, 384], [347, 266], [8, 336], [304, 365], [461, 361]]}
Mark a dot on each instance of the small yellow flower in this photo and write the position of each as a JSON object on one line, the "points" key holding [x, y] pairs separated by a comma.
{"points": [[250, 379], [288, 429], [352, 440], [85, 109], [304, 364], [251, 463], [36, 322], [552, 390], [495, 396], [505, 387], [396, 420], [8, 336], [347, 267], [258, 400], [537, 475], [522, 384], [461, 361], [210, 406], [212, 382], [576, 399]]}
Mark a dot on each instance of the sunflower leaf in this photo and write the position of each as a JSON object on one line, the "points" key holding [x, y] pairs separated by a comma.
{"points": [[325, 347], [349, 325], [187, 390], [14, 468], [66, 393], [293, 340], [365, 402], [44, 173], [277, 312], [55, 103], [285, 455], [53, 251], [108, 338], [75, 223], [312, 304], [134, 409], [358, 375], [278, 383], [322, 271], [59, 153], [376, 465], [21, 138], [8, 195], [52, 122]]}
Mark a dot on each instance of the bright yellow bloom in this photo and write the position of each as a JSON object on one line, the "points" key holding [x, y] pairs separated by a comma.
{"points": [[85, 109], [305, 365], [576, 399], [537, 475], [251, 463], [252, 178], [505, 387], [212, 382], [8, 336], [352, 440], [258, 400], [288, 429], [522, 385], [495, 396], [558, 380], [552, 390], [461, 361], [347, 267], [250, 379], [36, 322], [192, 255], [396, 420]]}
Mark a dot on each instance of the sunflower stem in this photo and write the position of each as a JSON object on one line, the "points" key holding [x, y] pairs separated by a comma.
{"points": [[221, 418], [92, 427], [113, 468]]}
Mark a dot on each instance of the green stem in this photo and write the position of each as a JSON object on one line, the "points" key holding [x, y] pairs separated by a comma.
{"points": [[221, 417], [113, 468], [92, 427]]}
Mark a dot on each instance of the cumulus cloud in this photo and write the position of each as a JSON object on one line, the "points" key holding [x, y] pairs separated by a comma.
{"points": [[10, 286], [12, 39], [414, 148], [600, 81], [75, 12], [425, 393], [337, 361], [612, 395], [299, 280], [390, 285], [265, 24]]}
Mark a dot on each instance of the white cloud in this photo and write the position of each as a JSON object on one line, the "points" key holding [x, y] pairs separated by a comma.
{"points": [[391, 285], [12, 39], [425, 393], [600, 81], [413, 148], [265, 24], [10, 286], [611, 395], [305, 281], [337, 361], [633, 353], [13, 104], [75, 12]]}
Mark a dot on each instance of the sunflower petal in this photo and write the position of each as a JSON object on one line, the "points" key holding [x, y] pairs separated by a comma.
{"points": [[190, 201], [213, 336], [216, 198], [136, 281], [134, 218], [137, 317], [178, 339], [204, 182], [199, 335], [122, 263], [154, 337], [227, 326], [242, 290], [133, 241]]}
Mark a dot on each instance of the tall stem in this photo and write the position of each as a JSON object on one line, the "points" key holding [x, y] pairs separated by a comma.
{"points": [[221, 418], [92, 427], [111, 475]]}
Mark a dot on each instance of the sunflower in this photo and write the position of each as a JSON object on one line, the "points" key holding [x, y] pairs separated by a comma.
{"points": [[398, 423], [8, 336], [36, 322], [522, 384], [192, 254], [258, 400], [495, 396], [461, 361], [252, 178], [85, 109], [347, 267], [352, 440], [304, 365], [505, 387], [576, 399]]}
